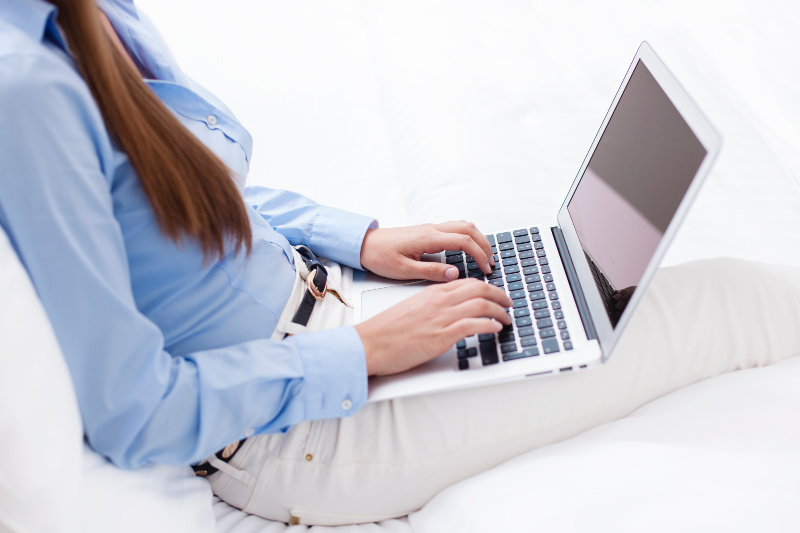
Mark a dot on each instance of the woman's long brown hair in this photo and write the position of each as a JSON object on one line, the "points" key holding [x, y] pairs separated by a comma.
{"points": [[190, 190]]}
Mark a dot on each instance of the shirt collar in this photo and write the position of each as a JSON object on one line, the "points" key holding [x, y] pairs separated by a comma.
{"points": [[36, 18]]}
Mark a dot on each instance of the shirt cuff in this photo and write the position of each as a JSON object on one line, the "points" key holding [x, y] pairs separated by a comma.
{"points": [[338, 235], [335, 372]]}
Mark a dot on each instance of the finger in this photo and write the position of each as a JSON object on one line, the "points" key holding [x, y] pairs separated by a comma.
{"points": [[466, 289], [460, 241], [477, 308], [468, 228], [429, 270], [467, 327]]}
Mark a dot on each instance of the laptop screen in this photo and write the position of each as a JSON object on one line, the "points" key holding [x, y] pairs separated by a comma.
{"points": [[644, 162]]}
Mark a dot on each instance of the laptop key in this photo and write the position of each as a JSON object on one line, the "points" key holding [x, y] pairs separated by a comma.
{"points": [[530, 270], [528, 352], [550, 346], [524, 321], [527, 341], [497, 282], [522, 239], [548, 277], [530, 262], [463, 364], [454, 259], [527, 331], [504, 237], [551, 286], [524, 247], [495, 274], [562, 324], [527, 254], [536, 237], [534, 230], [508, 261], [538, 304], [564, 335], [515, 285], [523, 311], [541, 253], [533, 278], [543, 260], [477, 274], [486, 337], [546, 269], [556, 305], [491, 240], [513, 277], [544, 323], [507, 253], [516, 295], [461, 353], [567, 345], [449, 253], [522, 302], [472, 351], [513, 269], [558, 314], [520, 232], [553, 295], [508, 347], [461, 344], [538, 245], [507, 337], [537, 295], [505, 246], [547, 333], [535, 286], [541, 313], [488, 353]]}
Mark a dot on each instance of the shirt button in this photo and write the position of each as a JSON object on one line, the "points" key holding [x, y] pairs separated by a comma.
{"points": [[346, 404], [211, 119], [249, 432]]}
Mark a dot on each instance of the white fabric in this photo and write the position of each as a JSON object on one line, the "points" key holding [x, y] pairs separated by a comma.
{"points": [[40, 426], [154, 498], [422, 110], [720, 455]]}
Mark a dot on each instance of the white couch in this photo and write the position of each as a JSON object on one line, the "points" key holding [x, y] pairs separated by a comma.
{"points": [[422, 111]]}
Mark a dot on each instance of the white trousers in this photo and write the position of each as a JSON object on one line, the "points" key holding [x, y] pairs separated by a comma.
{"points": [[697, 320]]}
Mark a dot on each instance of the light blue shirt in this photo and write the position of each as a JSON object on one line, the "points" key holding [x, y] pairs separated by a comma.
{"points": [[171, 359]]}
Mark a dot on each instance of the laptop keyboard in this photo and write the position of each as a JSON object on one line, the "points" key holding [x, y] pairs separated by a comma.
{"points": [[523, 271]]}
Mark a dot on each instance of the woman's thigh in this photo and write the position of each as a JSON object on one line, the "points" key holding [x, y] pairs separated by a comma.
{"points": [[696, 321]]}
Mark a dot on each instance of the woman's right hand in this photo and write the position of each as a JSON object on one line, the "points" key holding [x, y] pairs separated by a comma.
{"points": [[424, 326]]}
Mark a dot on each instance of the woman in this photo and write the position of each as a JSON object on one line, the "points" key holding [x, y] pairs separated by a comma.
{"points": [[174, 300]]}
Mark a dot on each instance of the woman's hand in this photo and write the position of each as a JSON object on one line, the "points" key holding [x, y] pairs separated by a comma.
{"points": [[424, 326], [396, 252]]}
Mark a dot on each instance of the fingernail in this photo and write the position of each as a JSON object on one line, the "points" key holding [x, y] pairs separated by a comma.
{"points": [[497, 325], [451, 273], [488, 266]]}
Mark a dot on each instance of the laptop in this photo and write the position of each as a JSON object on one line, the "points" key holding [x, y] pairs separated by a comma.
{"points": [[576, 279]]}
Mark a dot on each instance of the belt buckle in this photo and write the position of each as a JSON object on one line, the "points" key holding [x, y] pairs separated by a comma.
{"points": [[313, 288]]}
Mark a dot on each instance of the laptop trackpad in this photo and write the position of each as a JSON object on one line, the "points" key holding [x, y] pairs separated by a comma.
{"points": [[377, 300]]}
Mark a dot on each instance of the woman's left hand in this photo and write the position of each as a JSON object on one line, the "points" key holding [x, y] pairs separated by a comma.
{"points": [[397, 252]]}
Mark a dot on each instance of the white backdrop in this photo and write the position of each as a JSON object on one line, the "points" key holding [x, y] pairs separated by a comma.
{"points": [[309, 78]]}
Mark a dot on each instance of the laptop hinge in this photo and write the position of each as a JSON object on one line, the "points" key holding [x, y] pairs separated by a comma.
{"points": [[572, 277]]}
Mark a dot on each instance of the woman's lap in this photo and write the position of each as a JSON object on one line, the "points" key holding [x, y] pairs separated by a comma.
{"points": [[697, 320]]}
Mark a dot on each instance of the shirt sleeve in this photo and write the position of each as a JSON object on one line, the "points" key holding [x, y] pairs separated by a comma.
{"points": [[327, 231], [139, 403]]}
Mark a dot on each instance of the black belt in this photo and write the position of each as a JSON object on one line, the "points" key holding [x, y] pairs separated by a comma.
{"points": [[225, 454], [317, 289], [317, 285]]}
